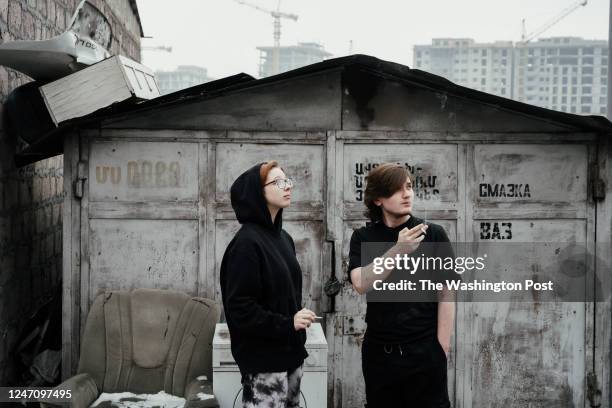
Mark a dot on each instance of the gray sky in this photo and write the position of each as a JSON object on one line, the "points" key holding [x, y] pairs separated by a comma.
{"points": [[222, 35]]}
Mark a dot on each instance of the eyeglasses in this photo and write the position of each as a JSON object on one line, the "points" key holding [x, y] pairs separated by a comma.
{"points": [[282, 183]]}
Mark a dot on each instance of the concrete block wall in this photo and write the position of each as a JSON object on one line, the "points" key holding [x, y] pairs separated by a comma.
{"points": [[31, 196]]}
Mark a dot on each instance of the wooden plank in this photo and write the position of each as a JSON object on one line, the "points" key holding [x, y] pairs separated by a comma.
{"points": [[465, 359], [70, 212], [589, 305], [202, 216], [455, 232], [303, 210], [457, 356], [278, 136], [330, 186], [349, 305], [441, 208], [603, 310], [339, 181], [179, 210], [160, 135], [84, 232], [211, 214], [190, 136], [432, 136], [352, 385], [334, 320], [531, 210]]}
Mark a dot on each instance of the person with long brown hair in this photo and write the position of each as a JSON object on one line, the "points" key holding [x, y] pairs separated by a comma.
{"points": [[406, 344], [261, 287]]}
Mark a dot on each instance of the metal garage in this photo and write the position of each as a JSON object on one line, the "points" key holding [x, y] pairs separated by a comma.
{"points": [[147, 205]]}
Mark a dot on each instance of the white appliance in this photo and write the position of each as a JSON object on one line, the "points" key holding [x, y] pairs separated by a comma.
{"points": [[226, 375]]}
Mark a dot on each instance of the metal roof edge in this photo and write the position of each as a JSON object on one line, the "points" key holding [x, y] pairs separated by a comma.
{"points": [[372, 65]]}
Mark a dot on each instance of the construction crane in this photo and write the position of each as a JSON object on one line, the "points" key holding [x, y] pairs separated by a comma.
{"points": [[276, 15], [165, 48], [525, 38]]}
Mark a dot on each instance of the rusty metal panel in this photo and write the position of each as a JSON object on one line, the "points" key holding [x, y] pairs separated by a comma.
{"points": [[530, 173], [140, 171], [306, 103], [173, 236], [371, 102], [515, 352], [305, 164], [527, 354], [433, 167], [518, 350], [603, 311], [128, 254]]}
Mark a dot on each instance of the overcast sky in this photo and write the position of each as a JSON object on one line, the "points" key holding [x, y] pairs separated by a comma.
{"points": [[222, 35]]}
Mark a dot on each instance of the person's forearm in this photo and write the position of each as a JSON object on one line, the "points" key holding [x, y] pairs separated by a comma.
{"points": [[367, 275], [446, 318]]}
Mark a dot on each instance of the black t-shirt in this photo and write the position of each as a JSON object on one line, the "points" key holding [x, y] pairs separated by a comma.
{"points": [[398, 322]]}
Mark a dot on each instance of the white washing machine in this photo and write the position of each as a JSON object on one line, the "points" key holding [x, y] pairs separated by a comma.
{"points": [[226, 375]]}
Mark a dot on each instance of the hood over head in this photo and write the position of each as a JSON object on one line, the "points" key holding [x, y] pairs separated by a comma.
{"points": [[249, 202]]}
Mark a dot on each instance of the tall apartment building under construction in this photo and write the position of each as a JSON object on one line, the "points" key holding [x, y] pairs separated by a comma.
{"points": [[568, 74]]}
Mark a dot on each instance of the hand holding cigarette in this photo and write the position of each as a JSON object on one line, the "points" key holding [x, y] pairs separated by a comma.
{"points": [[303, 319], [409, 239]]}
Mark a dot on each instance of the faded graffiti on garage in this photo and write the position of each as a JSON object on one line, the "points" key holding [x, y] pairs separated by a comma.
{"points": [[424, 184]]}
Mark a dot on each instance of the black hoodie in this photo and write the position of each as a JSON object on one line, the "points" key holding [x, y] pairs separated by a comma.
{"points": [[261, 284]]}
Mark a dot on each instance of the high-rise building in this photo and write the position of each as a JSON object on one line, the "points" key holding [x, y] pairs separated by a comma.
{"points": [[290, 57], [184, 76], [561, 73]]}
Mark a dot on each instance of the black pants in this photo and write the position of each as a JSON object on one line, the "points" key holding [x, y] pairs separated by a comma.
{"points": [[405, 376]]}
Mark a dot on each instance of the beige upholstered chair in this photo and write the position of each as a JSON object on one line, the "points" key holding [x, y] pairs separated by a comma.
{"points": [[146, 341]]}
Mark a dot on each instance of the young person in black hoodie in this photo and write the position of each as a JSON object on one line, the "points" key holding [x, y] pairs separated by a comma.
{"points": [[261, 286]]}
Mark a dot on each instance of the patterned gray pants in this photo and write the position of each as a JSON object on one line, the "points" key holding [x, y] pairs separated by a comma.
{"points": [[272, 390]]}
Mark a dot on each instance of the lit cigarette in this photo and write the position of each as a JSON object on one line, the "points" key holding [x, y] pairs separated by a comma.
{"points": [[318, 317]]}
